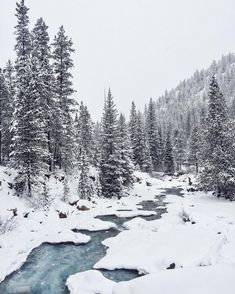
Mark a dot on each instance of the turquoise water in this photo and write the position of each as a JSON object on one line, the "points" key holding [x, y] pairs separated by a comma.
{"points": [[49, 265]]}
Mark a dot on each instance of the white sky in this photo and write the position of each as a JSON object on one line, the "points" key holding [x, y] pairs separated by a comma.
{"points": [[137, 47]]}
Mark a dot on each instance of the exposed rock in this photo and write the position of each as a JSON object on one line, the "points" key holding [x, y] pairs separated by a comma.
{"points": [[148, 184], [26, 214], [171, 266], [83, 208], [14, 210], [62, 214], [73, 203], [192, 189]]}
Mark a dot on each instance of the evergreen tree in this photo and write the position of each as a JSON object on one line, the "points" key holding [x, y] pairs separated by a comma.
{"points": [[147, 165], [110, 165], [97, 139], [218, 157], [169, 160], [127, 167], [84, 133], [26, 151], [8, 111], [64, 150], [195, 147], [151, 127], [4, 97], [139, 144], [85, 187], [179, 144], [132, 130], [42, 57]]}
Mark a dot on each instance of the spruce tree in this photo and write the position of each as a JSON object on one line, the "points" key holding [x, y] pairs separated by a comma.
{"points": [[139, 145], [41, 55], [110, 165], [169, 160], [218, 169], [4, 97], [9, 109], [24, 105], [179, 144], [132, 130], [147, 165], [153, 138], [84, 133], [195, 147], [85, 187], [127, 167], [62, 64]]}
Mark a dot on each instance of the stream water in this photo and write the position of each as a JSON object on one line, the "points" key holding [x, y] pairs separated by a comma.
{"points": [[49, 265]]}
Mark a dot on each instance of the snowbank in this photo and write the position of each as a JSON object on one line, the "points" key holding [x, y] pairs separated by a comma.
{"points": [[149, 251], [204, 280], [89, 282]]}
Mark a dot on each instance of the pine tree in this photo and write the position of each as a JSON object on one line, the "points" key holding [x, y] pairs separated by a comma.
{"points": [[97, 139], [151, 127], [218, 157], [85, 187], [169, 160], [42, 57], [110, 165], [147, 165], [63, 64], [139, 144], [127, 167], [66, 192], [8, 111], [4, 97], [179, 144], [195, 147], [84, 133], [28, 137], [132, 130]]}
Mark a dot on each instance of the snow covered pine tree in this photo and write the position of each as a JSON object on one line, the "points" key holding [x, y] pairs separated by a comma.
{"points": [[218, 172]]}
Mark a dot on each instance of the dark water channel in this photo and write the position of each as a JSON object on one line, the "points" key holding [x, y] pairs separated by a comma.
{"points": [[49, 265]]}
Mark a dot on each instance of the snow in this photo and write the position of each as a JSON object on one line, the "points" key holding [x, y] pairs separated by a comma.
{"points": [[46, 226], [196, 236], [150, 252], [215, 279], [89, 282]]}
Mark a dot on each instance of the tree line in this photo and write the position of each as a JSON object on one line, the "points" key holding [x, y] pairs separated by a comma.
{"points": [[44, 130]]}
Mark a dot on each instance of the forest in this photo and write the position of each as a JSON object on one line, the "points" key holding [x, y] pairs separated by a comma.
{"points": [[126, 204], [46, 129]]}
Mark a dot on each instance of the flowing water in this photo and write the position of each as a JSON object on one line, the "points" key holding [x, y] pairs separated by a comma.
{"points": [[49, 265]]}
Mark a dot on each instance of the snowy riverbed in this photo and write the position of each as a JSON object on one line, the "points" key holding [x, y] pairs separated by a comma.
{"points": [[196, 237]]}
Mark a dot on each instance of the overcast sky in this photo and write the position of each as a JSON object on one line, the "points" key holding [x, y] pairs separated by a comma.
{"points": [[137, 47]]}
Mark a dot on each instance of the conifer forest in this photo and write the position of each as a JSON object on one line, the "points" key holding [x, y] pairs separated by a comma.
{"points": [[135, 202]]}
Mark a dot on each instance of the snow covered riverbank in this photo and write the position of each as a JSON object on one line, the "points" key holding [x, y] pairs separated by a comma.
{"points": [[195, 238], [28, 229]]}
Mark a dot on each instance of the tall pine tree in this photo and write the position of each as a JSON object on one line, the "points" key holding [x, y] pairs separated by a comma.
{"points": [[127, 167], [64, 151], [169, 160], [153, 136], [110, 165], [218, 169]]}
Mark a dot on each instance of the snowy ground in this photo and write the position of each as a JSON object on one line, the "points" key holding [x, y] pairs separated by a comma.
{"points": [[196, 237], [20, 234]]}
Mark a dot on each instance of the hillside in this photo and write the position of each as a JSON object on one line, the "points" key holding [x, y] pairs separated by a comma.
{"points": [[183, 105]]}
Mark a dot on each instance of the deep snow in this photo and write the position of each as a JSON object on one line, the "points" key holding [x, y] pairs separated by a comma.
{"points": [[196, 236]]}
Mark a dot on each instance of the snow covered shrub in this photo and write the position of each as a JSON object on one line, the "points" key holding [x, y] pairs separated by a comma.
{"points": [[7, 225]]}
